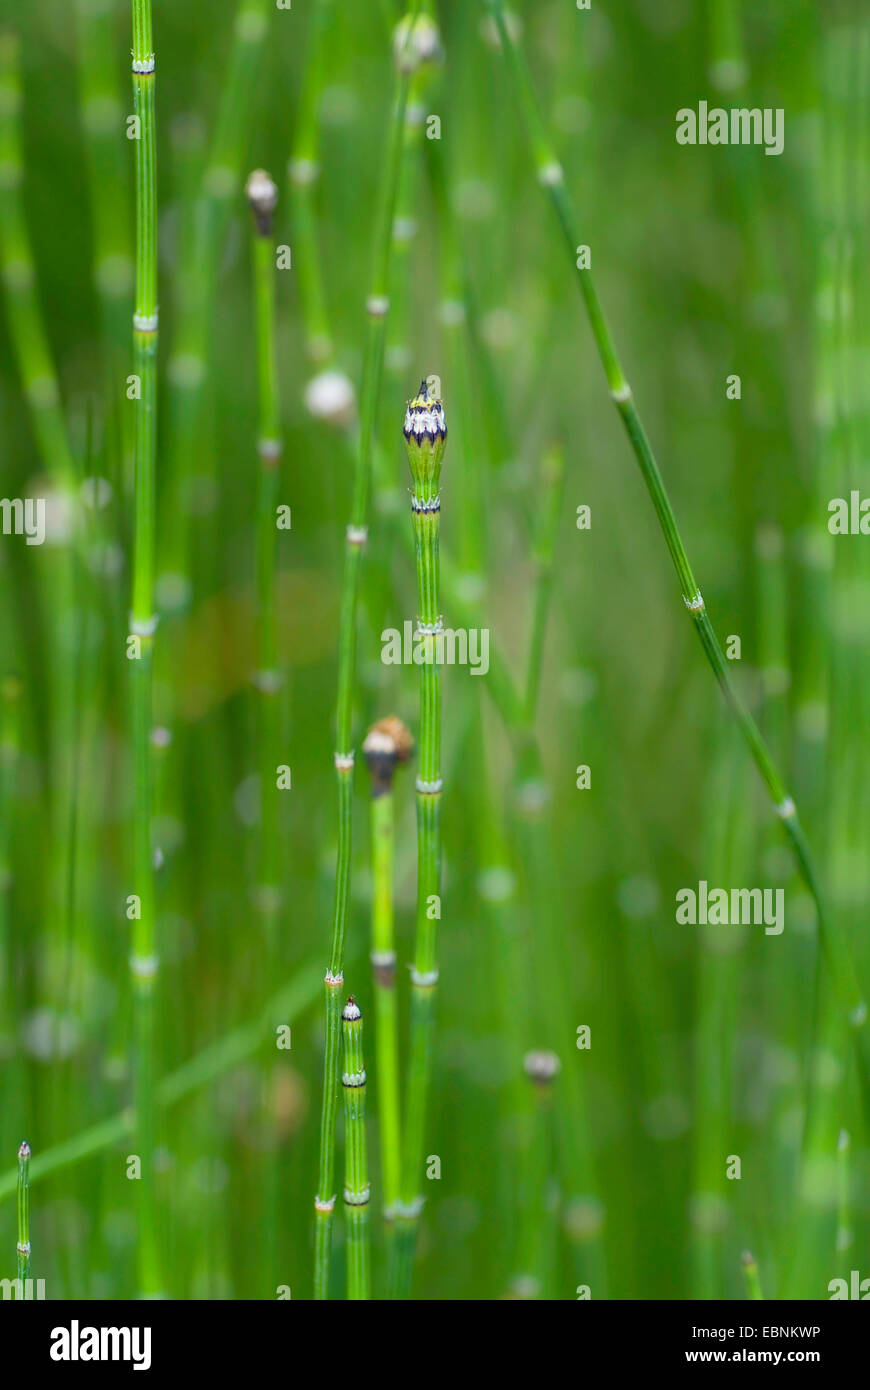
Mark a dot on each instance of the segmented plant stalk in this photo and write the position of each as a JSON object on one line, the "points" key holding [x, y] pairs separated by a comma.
{"points": [[263, 196], [387, 745], [425, 433], [551, 178], [377, 306], [143, 961], [267, 679], [356, 1182], [23, 1246], [536, 1219]]}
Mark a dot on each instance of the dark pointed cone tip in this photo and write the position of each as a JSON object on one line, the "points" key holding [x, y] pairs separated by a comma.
{"points": [[424, 417], [24, 1150]]}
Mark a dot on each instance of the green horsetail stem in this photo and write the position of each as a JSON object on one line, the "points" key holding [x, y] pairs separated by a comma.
{"points": [[388, 744], [263, 196], [23, 1246], [356, 1183], [143, 960], [536, 1218], [377, 308], [425, 432], [551, 177]]}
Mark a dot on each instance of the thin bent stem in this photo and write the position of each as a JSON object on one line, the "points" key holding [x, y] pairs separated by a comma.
{"points": [[204, 1067], [377, 307], [551, 178], [143, 960]]}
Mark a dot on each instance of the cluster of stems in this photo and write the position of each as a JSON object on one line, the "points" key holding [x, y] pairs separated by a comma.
{"points": [[356, 1183], [377, 308], [143, 959]]}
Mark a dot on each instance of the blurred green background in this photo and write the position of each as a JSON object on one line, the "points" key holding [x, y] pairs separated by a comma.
{"points": [[710, 261]]}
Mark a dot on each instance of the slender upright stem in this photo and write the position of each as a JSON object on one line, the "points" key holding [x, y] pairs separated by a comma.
{"points": [[23, 1246], [536, 1218], [263, 194], [143, 961], [551, 177], [388, 743], [377, 306], [268, 678], [386, 1012], [356, 1185], [425, 437]]}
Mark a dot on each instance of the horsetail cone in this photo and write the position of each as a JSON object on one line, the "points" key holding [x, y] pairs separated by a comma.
{"points": [[262, 194], [425, 437], [387, 745]]}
